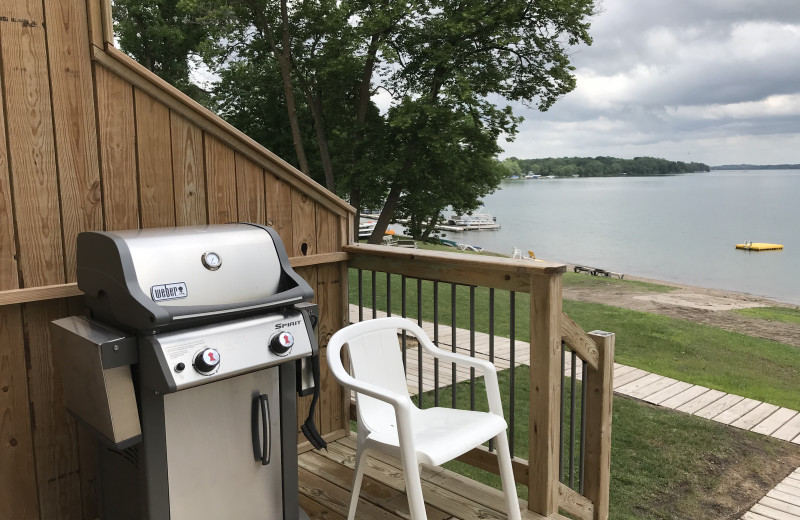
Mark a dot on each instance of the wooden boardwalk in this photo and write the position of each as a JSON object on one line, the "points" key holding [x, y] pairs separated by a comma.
{"points": [[326, 478], [782, 503]]}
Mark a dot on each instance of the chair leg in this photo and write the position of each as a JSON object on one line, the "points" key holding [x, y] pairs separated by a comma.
{"points": [[416, 503], [358, 476], [507, 476]]}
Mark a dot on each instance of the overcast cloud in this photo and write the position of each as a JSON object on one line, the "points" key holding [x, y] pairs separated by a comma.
{"points": [[713, 81]]}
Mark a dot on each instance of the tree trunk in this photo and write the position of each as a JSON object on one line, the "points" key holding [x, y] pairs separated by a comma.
{"points": [[284, 59], [386, 213]]}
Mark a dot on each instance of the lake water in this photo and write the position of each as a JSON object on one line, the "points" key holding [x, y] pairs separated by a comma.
{"points": [[680, 228]]}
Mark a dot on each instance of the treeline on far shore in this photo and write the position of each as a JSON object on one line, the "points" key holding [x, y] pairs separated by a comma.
{"points": [[599, 166]]}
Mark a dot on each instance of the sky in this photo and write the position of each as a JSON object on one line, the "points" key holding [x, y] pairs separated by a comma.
{"points": [[710, 81]]}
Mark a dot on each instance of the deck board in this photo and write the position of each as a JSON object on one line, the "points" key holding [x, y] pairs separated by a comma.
{"points": [[326, 479]]}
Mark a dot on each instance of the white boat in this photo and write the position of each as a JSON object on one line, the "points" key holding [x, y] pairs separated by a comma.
{"points": [[365, 228], [469, 222], [532, 176]]}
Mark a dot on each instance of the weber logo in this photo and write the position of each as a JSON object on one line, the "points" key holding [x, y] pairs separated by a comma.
{"points": [[169, 291]]}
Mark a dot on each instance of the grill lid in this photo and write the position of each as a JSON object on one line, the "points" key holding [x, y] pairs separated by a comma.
{"points": [[151, 279]]}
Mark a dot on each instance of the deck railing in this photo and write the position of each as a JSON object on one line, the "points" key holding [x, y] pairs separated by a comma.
{"points": [[569, 389]]}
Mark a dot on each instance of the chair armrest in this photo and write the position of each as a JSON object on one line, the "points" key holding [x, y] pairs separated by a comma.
{"points": [[381, 394], [487, 368]]}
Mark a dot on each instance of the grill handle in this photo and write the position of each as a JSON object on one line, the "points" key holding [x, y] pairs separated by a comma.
{"points": [[262, 429]]}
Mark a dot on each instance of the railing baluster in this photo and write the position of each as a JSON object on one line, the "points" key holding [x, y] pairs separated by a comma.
{"points": [[360, 295], [374, 296], [584, 388], [491, 342], [436, 342], [563, 398], [573, 369], [403, 314], [472, 346], [453, 338], [511, 336], [388, 294], [419, 343]]}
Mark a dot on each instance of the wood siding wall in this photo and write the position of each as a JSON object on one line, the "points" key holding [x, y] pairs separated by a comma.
{"points": [[89, 140]]}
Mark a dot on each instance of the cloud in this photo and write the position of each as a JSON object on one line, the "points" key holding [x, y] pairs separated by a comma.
{"points": [[712, 79]]}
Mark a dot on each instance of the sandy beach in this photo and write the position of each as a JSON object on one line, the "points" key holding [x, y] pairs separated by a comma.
{"points": [[708, 306]]}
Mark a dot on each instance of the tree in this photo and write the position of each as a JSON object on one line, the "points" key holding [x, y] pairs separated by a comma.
{"points": [[441, 61], [163, 37]]}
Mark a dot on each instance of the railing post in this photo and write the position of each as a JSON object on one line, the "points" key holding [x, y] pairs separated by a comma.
{"points": [[545, 388], [600, 395]]}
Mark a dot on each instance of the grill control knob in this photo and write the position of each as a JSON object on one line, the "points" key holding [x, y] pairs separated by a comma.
{"points": [[206, 361], [281, 343]]}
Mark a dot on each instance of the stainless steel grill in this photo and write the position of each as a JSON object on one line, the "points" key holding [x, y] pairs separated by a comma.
{"points": [[196, 343]]}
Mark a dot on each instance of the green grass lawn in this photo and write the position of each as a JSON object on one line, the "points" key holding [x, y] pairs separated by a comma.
{"points": [[784, 314], [664, 464], [700, 354], [731, 362]]}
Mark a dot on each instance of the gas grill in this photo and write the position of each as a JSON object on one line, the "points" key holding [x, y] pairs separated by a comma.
{"points": [[196, 343]]}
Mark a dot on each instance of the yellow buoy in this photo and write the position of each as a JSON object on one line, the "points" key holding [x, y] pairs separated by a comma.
{"points": [[759, 246]]}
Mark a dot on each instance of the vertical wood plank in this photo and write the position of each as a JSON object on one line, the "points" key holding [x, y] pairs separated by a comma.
{"points": [[31, 149], [599, 401], [327, 229], [17, 474], [95, 22], [328, 289], [221, 181], [8, 249], [117, 134], [545, 385], [75, 127], [55, 434], [279, 209], [250, 191], [154, 154], [303, 222], [88, 445], [188, 170]]}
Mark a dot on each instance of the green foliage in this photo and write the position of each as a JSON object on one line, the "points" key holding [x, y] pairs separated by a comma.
{"points": [[163, 37], [608, 166], [314, 67]]}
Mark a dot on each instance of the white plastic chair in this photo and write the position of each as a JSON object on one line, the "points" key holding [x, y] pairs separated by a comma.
{"points": [[388, 421]]}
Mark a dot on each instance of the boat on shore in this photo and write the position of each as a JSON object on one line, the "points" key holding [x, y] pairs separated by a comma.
{"points": [[365, 228], [469, 222]]}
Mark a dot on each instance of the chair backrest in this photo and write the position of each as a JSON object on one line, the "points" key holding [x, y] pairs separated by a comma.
{"points": [[375, 358]]}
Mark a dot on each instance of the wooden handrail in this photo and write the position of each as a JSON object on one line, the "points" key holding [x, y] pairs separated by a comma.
{"points": [[579, 342]]}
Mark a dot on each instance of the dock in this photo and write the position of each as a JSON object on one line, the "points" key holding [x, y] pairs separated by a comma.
{"points": [[759, 246]]}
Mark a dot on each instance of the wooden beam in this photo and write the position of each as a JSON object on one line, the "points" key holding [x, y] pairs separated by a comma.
{"points": [[496, 272], [599, 399], [486, 460], [579, 341], [545, 393], [574, 503]]}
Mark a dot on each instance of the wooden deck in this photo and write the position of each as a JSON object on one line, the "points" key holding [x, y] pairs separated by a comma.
{"points": [[326, 478]]}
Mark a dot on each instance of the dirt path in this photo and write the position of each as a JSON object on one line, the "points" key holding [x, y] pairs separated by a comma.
{"points": [[708, 306]]}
